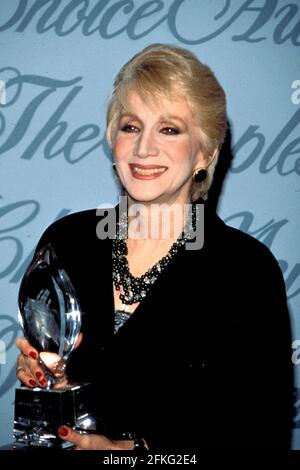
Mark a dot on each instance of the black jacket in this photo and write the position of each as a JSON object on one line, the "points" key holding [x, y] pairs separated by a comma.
{"points": [[205, 360]]}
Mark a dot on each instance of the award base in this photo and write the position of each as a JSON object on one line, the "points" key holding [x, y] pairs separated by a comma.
{"points": [[39, 413]]}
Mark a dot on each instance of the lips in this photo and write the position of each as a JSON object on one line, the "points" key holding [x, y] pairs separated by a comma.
{"points": [[147, 171]]}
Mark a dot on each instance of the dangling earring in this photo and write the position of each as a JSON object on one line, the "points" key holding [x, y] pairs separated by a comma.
{"points": [[199, 175]]}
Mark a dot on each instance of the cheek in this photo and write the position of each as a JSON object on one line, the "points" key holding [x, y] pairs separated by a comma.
{"points": [[183, 155], [121, 147], [117, 149]]}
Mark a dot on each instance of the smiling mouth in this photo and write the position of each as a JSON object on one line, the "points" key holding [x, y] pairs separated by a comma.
{"points": [[149, 170]]}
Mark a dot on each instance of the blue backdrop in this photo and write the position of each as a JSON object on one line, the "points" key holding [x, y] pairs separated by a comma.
{"points": [[57, 62]]}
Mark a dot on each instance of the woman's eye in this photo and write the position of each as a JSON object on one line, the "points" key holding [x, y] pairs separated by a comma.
{"points": [[170, 131], [129, 128]]}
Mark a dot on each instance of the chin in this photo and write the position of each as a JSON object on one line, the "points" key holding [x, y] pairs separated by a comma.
{"points": [[144, 197]]}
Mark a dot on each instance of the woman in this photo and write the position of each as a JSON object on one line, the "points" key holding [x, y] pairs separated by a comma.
{"points": [[189, 348]]}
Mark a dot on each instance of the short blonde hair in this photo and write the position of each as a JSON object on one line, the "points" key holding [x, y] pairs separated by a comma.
{"points": [[168, 70]]}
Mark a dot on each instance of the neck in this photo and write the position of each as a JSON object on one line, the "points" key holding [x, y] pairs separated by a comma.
{"points": [[149, 221]]}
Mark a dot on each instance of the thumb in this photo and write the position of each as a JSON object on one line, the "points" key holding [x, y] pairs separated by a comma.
{"points": [[85, 441], [68, 434], [79, 339]]}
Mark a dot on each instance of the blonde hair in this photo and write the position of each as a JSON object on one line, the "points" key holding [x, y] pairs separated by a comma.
{"points": [[168, 70]]}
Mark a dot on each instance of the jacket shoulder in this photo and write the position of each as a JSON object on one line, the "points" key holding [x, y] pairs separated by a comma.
{"points": [[73, 228], [68, 223], [240, 245]]}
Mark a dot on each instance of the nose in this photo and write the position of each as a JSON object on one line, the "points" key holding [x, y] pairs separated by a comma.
{"points": [[146, 146]]}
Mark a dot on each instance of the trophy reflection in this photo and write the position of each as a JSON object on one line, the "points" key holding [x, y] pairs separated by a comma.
{"points": [[50, 317]]}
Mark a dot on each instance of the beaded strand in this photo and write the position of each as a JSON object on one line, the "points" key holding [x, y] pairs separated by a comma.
{"points": [[135, 289]]}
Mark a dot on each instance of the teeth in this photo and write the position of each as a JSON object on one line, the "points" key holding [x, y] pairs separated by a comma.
{"points": [[153, 171]]}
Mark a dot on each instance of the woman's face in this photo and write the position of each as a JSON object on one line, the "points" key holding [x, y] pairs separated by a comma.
{"points": [[156, 149]]}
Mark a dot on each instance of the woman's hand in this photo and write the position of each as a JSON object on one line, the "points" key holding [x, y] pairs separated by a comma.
{"points": [[92, 441], [29, 370]]}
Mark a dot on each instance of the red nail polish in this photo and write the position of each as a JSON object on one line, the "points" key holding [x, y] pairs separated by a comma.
{"points": [[63, 431], [33, 355], [43, 382], [39, 375], [32, 383]]}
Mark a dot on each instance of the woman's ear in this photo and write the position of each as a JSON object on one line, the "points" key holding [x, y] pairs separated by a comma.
{"points": [[204, 162], [211, 157]]}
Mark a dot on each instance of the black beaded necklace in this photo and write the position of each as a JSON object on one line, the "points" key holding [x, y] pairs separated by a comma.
{"points": [[135, 289]]}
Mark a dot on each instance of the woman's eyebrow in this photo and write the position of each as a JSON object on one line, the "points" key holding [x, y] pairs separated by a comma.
{"points": [[128, 114], [162, 118], [170, 117]]}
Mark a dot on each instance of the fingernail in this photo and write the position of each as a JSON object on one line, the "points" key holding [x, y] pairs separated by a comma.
{"points": [[32, 383], [43, 382], [39, 375], [63, 431], [33, 355]]}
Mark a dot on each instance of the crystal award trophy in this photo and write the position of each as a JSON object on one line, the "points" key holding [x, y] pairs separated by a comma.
{"points": [[50, 317]]}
